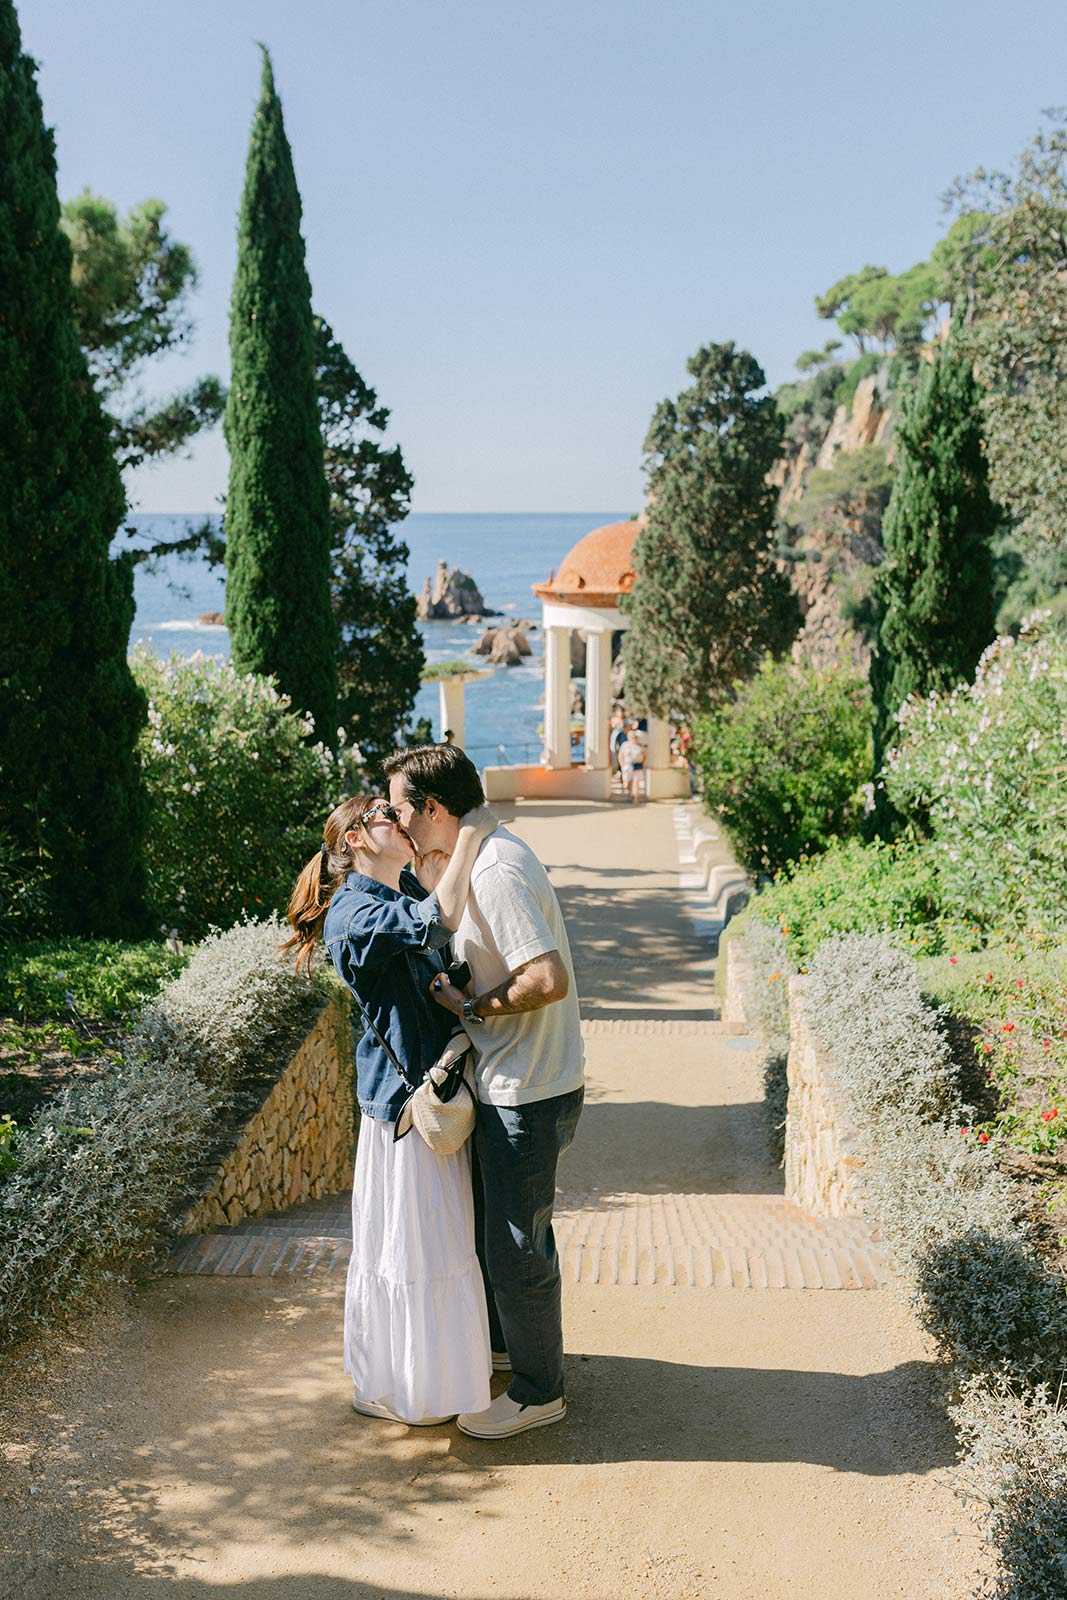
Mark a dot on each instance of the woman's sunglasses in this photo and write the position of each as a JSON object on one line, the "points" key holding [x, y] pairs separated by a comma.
{"points": [[380, 808]]}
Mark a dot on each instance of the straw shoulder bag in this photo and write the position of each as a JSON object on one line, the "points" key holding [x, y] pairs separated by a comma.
{"points": [[441, 1107]]}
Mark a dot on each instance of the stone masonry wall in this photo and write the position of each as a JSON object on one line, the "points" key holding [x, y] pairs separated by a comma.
{"points": [[821, 1160], [737, 999], [298, 1146]]}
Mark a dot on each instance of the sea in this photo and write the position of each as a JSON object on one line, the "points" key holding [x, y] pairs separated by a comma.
{"points": [[505, 553]]}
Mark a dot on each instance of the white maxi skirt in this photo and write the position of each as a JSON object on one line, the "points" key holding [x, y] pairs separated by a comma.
{"points": [[416, 1327]]}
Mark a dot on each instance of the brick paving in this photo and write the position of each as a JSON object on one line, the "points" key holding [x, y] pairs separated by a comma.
{"points": [[609, 1235]]}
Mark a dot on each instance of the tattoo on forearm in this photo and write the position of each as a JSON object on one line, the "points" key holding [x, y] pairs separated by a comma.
{"points": [[529, 989]]}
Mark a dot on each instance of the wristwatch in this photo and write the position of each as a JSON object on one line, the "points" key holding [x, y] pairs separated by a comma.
{"points": [[469, 1014]]}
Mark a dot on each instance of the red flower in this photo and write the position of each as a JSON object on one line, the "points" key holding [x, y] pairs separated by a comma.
{"points": [[1047, 1043], [1049, 1116], [1009, 1027], [1018, 983], [983, 1138], [965, 1131], [989, 977], [987, 1049], [952, 960]]}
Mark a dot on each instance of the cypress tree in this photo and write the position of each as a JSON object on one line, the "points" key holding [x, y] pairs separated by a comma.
{"points": [[277, 510], [934, 591], [72, 805], [709, 601]]}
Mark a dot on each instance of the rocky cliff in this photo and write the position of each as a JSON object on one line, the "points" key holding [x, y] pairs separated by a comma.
{"points": [[451, 594], [833, 488]]}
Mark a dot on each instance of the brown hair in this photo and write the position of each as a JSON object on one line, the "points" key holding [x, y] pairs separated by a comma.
{"points": [[440, 772], [322, 877]]}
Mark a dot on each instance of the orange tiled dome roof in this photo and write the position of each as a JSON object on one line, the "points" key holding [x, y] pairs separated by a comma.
{"points": [[597, 570]]}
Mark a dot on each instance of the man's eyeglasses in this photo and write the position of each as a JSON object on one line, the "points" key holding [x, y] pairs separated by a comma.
{"points": [[380, 808]]}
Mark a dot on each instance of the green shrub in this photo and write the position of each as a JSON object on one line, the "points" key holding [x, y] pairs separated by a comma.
{"points": [[981, 769], [885, 889], [93, 1177], [238, 795], [991, 1304], [784, 763], [103, 978], [237, 1007]]}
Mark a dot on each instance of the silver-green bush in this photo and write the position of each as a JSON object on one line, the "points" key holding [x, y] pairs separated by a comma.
{"points": [[237, 1006], [1015, 1464], [992, 1304], [926, 1184], [95, 1174], [889, 1054], [100, 1168]]}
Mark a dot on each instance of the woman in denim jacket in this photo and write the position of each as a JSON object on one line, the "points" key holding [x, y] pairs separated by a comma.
{"points": [[416, 1329]]}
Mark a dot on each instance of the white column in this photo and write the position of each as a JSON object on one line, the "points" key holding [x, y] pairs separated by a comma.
{"points": [[452, 711], [558, 697], [597, 697], [658, 755]]}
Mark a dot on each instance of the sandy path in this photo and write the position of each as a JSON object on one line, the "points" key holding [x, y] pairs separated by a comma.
{"points": [[737, 1443]]}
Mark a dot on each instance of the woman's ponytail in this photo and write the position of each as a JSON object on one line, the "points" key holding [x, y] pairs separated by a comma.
{"points": [[320, 880]]}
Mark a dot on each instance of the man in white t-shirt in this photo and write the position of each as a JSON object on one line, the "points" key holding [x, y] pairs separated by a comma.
{"points": [[522, 1014]]}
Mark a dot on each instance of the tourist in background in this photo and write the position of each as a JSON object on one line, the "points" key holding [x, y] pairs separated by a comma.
{"points": [[632, 764]]}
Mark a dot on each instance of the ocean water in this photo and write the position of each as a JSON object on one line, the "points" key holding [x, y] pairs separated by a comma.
{"points": [[505, 553]]}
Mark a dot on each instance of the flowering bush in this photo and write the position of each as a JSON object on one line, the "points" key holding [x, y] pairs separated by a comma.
{"points": [[886, 889], [982, 770], [238, 794], [1016, 995], [784, 763]]}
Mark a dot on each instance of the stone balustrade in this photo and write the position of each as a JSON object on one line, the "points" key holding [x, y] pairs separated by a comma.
{"points": [[821, 1158], [298, 1145]]}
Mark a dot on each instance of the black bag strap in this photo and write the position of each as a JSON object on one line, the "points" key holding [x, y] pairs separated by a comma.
{"points": [[386, 1046]]}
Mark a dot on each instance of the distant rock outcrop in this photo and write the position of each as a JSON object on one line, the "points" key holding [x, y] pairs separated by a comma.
{"points": [[451, 594], [212, 619], [506, 646]]}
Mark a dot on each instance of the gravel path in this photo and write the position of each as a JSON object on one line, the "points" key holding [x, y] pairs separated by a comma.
{"points": [[764, 1442]]}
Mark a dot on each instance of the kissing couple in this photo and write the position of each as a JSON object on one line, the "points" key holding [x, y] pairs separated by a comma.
{"points": [[454, 1273]]}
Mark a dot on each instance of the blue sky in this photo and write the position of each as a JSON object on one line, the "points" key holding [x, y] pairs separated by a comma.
{"points": [[522, 218]]}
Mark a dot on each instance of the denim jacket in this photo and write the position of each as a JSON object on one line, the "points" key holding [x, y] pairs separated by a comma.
{"points": [[384, 944]]}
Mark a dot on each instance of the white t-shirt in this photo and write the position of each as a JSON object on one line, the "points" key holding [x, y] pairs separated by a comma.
{"points": [[512, 916]]}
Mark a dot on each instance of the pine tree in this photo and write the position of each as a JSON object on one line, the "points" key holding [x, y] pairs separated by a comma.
{"points": [[709, 601], [72, 805], [277, 510], [380, 657], [934, 591]]}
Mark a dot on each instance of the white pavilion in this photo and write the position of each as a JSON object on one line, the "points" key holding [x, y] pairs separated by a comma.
{"points": [[584, 594]]}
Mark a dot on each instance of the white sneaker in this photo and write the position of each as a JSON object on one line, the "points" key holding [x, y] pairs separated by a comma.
{"points": [[506, 1416], [501, 1361], [374, 1408]]}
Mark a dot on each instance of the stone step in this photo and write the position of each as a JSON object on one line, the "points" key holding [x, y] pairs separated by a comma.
{"points": [[697, 1241]]}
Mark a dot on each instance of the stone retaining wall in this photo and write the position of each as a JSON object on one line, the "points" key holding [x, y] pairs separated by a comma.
{"points": [[737, 998], [821, 1159], [298, 1146]]}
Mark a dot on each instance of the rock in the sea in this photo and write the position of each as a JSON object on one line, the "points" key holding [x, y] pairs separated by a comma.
{"points": [[504, 646], [213, 619], [452, 594]]}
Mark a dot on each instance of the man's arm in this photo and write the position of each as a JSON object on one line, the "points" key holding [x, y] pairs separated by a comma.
{"points": [[536, 983]]}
